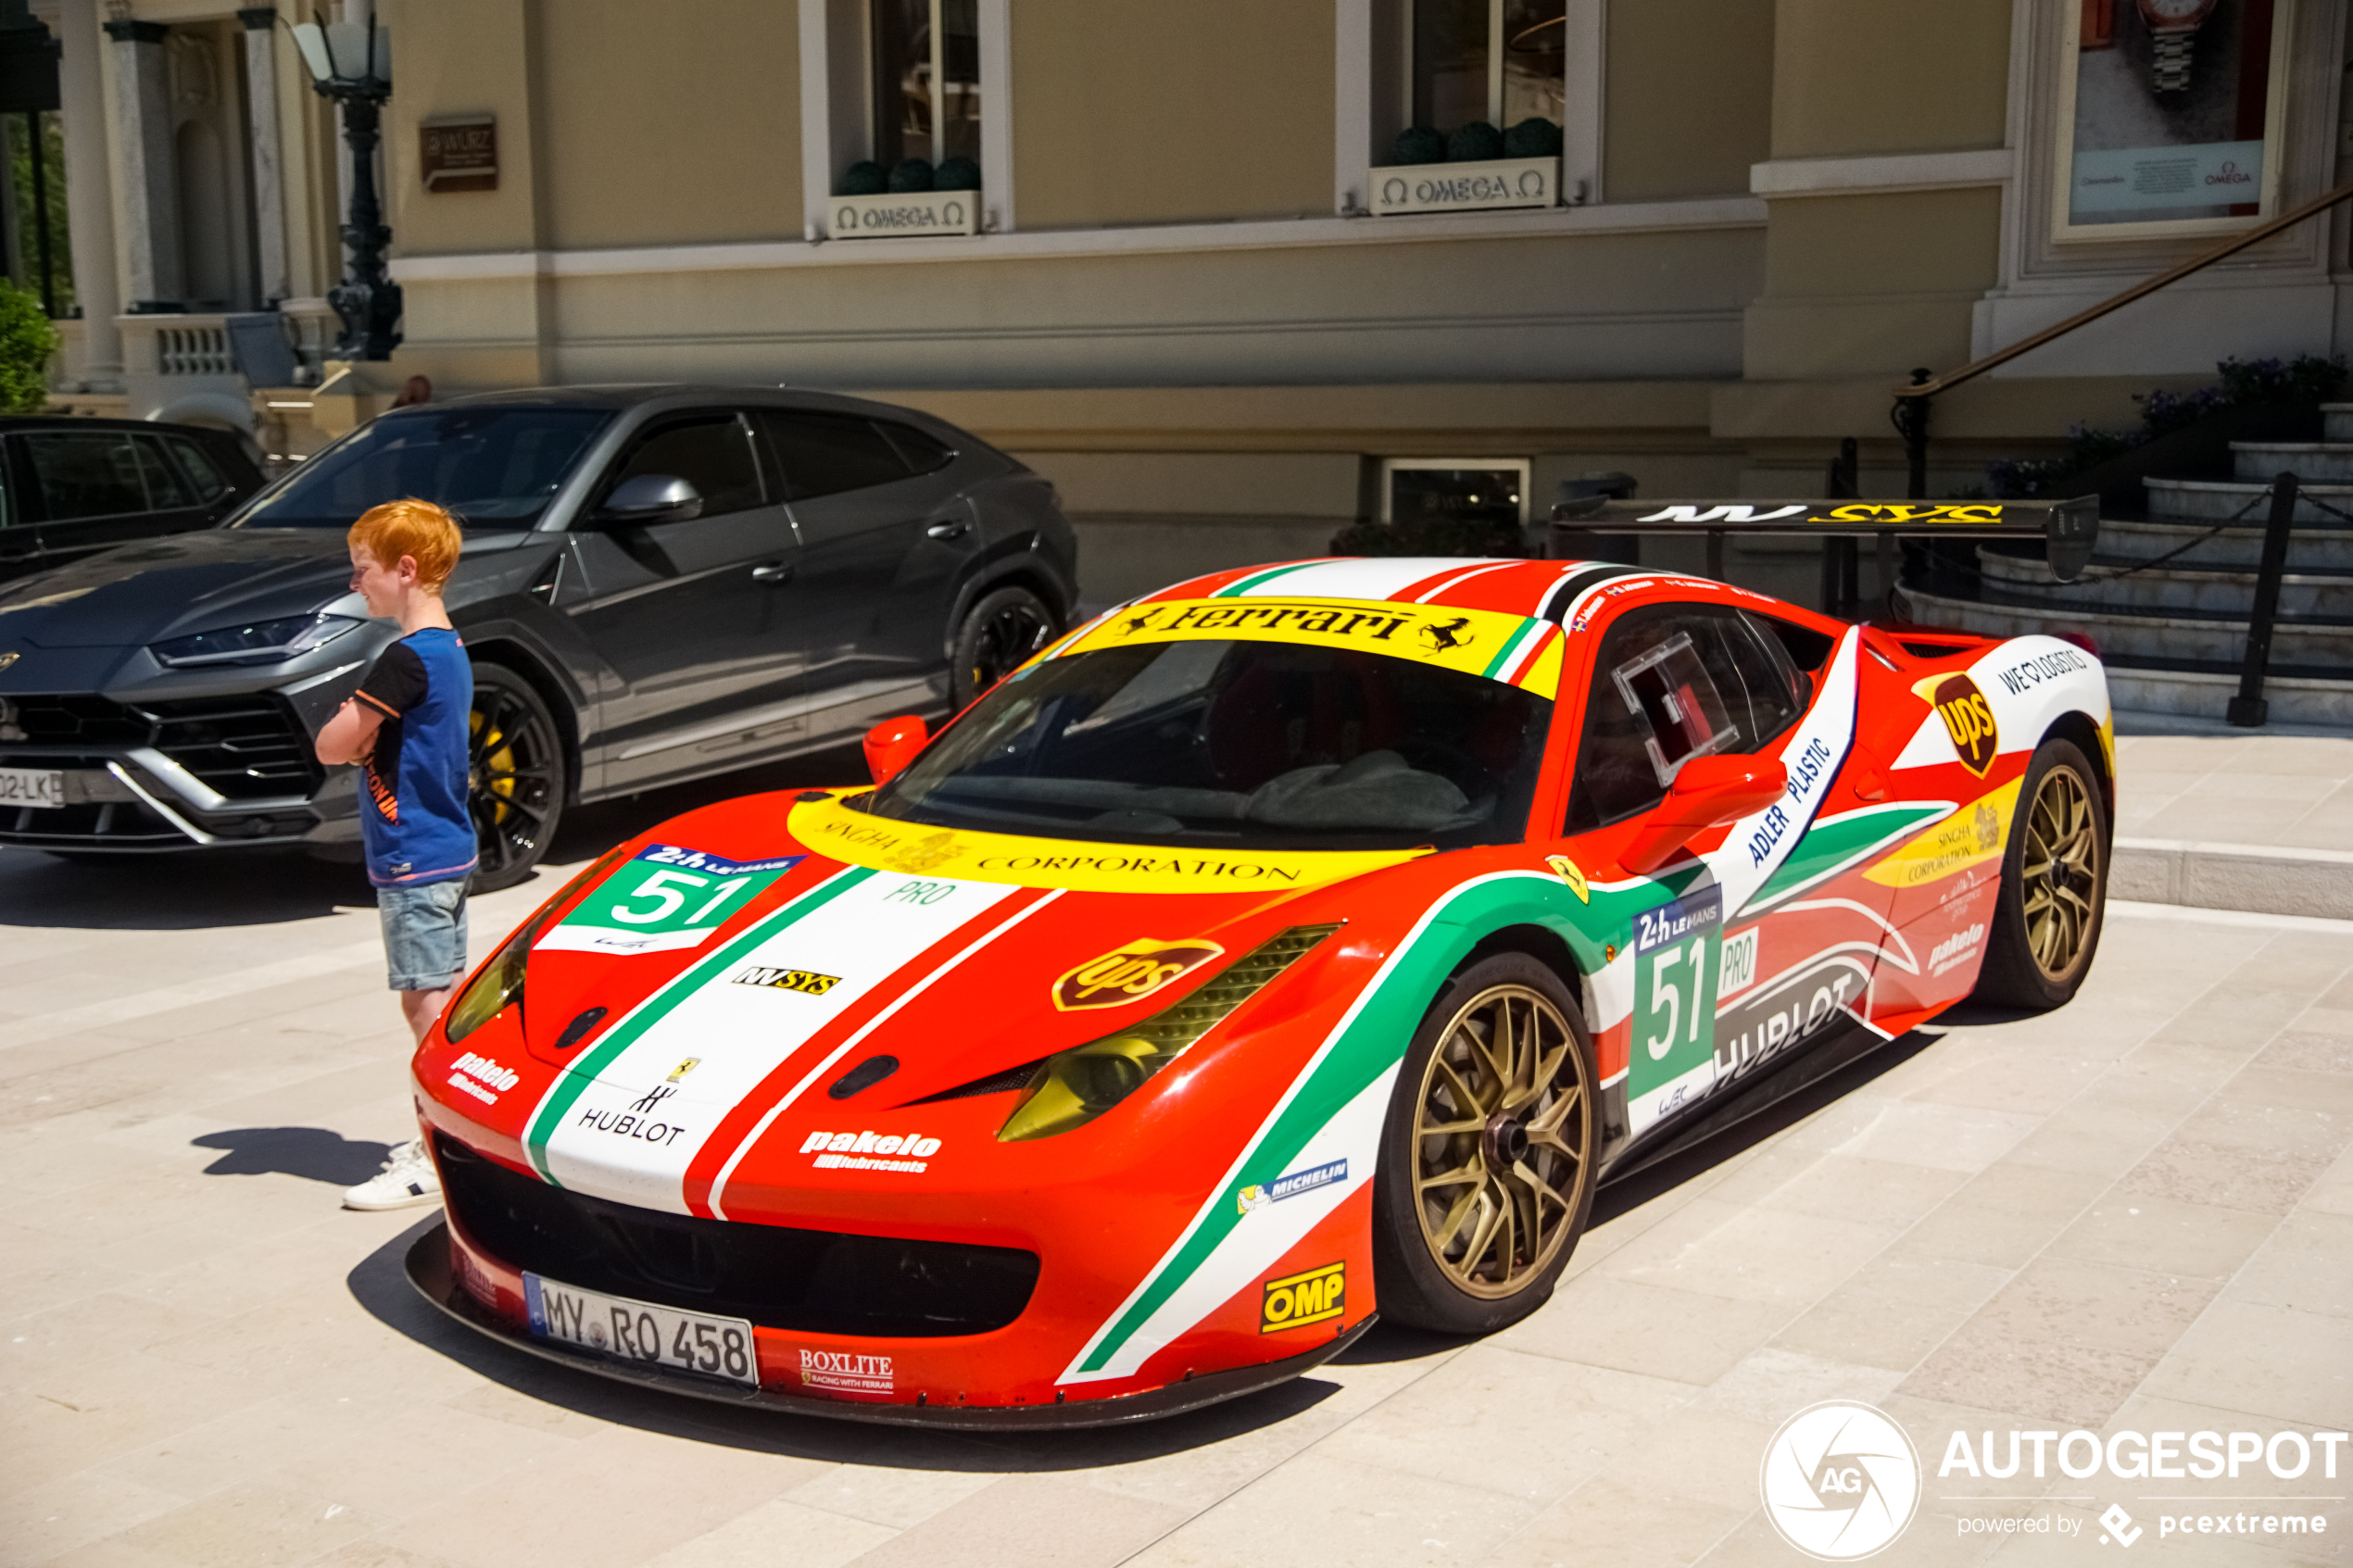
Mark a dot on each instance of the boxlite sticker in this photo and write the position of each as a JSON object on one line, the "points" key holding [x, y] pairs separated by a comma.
{"points": [[1125, 974], [1296, 1300]]}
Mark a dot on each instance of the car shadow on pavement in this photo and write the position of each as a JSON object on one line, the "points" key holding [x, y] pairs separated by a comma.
{"points": [[312, 1153], [379, 1284]]}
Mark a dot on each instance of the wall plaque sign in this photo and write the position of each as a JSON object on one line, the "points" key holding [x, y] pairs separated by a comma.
{"points": [[460, 154]]}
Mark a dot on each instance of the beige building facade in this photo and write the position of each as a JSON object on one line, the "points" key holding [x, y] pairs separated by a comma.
{"points": [[1183, 288]]}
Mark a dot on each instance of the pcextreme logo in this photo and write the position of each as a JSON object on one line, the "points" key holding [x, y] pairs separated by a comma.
{"points": [[1840, 1481]]}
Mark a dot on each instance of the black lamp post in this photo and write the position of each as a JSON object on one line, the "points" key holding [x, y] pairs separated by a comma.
{"points": [[351, 62]]}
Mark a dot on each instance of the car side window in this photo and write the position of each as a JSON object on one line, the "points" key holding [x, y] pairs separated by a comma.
{"points": [[166, 490], [93, 473], [1674, 682], [825, 454], [197, 464], [920, 452], [714, 455]]}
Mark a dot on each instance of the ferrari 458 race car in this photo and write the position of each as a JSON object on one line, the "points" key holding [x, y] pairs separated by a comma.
{"points": [[1290, 944]]}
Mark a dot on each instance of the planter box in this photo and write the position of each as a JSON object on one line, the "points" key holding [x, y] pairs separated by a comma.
{"points": [[1467, 187], [917, 212]]}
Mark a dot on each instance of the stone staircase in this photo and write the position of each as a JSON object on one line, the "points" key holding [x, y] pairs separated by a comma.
{"points": [[2174, 635]]}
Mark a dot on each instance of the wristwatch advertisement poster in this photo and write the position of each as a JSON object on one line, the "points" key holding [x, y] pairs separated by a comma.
{"points": [[2168, 111]]}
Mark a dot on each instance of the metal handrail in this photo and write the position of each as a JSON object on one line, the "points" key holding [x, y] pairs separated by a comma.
{"points": [[1910, 413]]}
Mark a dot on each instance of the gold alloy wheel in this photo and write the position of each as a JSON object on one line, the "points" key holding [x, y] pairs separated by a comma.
{"points": [[2059, 875], [1503, 1141]]}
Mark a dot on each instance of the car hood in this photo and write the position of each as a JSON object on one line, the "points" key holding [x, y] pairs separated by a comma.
{"points": [[851, 993], [142, 593]]}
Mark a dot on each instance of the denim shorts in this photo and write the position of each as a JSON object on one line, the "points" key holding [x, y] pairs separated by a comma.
{"points": [[424, 933]]}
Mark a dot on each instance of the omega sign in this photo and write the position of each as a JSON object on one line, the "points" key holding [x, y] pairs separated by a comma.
{"points": [[928, 212], [1466, 187]]}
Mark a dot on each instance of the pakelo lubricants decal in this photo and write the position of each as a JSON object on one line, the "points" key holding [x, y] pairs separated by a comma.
{"points": [[666, 898], [630, 1133], [1672, 1059]]}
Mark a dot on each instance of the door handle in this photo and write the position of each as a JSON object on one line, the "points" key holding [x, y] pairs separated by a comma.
{"points": [[775, 571], [954, 530]]}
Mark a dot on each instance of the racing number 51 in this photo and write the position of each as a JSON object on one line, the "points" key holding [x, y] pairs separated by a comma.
{"points": [[663, 886], [1681, 1006]]}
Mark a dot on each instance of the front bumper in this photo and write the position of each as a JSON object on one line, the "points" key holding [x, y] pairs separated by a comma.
{"points": [[179, 774], [433, 1265]]}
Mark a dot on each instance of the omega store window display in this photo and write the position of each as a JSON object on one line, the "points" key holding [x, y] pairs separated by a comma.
{"points": [[2170, 120]]}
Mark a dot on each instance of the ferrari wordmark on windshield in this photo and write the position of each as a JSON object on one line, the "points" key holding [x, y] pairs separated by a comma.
{"points": [[1516, 650]]}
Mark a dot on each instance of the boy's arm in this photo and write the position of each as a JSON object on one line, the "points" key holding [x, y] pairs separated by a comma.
{"points": [[350, 735], [391, 686]]}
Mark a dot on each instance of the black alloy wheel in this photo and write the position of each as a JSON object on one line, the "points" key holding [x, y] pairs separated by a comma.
{"points": [[514, 777], [999, 635]]}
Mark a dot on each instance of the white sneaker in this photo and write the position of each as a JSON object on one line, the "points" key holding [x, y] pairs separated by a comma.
{"points": [[408, 1180]]}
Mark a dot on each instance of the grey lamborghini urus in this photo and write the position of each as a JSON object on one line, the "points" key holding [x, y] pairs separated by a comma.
{"points": [[657, 584]]}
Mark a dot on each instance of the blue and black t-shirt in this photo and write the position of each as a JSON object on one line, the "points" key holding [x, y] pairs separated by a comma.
{"points": [[414, 824]]}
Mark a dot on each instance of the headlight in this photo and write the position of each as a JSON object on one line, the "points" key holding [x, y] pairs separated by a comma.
{"points": [[263, 642], [498, 985], [1075, 1086]]}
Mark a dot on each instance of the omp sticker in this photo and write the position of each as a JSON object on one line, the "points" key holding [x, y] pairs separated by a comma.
{"points": [[1475, 642], [616, 1126], [666, 898], [881, 843], [1131, 974], [1317, 1295], [1974, 835]]}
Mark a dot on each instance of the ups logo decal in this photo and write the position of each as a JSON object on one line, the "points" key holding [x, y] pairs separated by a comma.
{"points": [[1968, 719], [1125, 974]]}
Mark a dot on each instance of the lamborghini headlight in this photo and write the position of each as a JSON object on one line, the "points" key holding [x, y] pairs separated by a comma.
{"points": [[498, 985], [261, 642], [1075, 1086]]}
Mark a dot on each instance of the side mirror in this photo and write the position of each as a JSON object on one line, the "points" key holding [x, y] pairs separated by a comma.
{"points": [[1709, 790], [649, 498], [893, 743]]}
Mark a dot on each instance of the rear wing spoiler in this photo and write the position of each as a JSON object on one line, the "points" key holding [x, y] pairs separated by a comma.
{"points": [[2070, 528]]}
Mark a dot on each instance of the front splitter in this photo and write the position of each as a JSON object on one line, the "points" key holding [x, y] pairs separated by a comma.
{"points": [[427, 1265]]}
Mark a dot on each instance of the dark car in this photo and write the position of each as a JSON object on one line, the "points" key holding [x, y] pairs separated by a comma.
{"points": [[70, 488], [657, 584]]}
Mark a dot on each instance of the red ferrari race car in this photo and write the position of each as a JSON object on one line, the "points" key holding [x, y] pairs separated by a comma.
{"points": [[1292, 944]]}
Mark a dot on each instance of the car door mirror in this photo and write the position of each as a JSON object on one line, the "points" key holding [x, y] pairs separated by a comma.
{"points": [[651, 498], [893, 743], [1706, 792]]}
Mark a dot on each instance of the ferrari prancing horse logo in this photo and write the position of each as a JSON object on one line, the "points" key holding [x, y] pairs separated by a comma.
{"points": [[1968, 719], [1126, 974]]}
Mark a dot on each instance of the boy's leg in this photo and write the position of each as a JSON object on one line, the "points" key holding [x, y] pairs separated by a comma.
{"points": [[424, 932]]}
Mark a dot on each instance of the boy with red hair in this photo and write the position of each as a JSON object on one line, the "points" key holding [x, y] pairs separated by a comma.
{"points": [[407, 726]]}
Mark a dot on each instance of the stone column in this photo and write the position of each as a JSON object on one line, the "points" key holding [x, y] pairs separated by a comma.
{"points": [[89, 192], [268, 156], [151, 198]]}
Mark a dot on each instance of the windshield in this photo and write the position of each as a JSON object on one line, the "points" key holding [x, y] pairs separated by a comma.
{"points": [[494, 468], [1273, 745]]}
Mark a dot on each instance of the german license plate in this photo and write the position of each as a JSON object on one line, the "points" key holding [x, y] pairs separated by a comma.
{"points": [[641, 1332], [32, 786]]}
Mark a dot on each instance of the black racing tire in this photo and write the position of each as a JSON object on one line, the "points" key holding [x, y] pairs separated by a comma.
{"points": [[1000, 632], [516, 774], [2054, 897], [1464, 1242]]}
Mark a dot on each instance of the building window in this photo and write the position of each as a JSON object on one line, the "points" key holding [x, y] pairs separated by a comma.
{"points": [[926, 61], [1495, 63], [1422, 491], [2170, 116]]}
